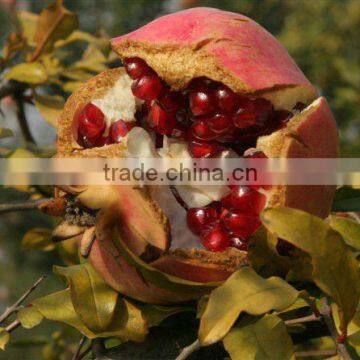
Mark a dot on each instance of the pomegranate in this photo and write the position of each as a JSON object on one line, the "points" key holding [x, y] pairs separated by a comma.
{"points": [[206, 96]]}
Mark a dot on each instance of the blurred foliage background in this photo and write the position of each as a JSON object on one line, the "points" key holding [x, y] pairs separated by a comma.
{"points": [[322, 36]]}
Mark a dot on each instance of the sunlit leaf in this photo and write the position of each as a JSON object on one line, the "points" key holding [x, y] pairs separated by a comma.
{"points": [[29, 317], [38, 239], [264, 339], [348, 228], [334, 265], [346, 199], [4, 338], [28, 22], [5, 133], [93, 60], [244, 291], [155, 314], [52, 65], [31, 73], [94, 301], [68, 251], [55, 23], [128, 322], [79, 75], [50, 107], [72, 86]]}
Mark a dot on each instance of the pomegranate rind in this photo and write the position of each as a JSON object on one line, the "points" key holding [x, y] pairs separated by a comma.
{"points": [[221, 45], [310, 134], [94, 88]]}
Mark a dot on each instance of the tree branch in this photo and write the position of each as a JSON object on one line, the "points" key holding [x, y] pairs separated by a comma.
{"points": [[22, 205], [78, 350], [325, 312], [302, 320], [187, 351], [10, 310], [10, 88], [317, 353], [21, 116], [14, 325]]}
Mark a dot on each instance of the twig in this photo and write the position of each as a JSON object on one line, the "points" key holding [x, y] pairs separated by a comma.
{"points": [[318, 353], [15, 324], [187, 351], [23, 205], [301, 320], [325, 312], [78, 350], [15, 306], [84, 353], [21, 116]]}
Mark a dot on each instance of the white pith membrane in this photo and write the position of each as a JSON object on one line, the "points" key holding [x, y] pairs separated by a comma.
{"points": [[119, 103]]}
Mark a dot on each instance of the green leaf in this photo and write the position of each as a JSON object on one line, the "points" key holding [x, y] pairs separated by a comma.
{"points": [[346, 199], [334, 265], [28, 22], [264, 339], [29, 317], [4, 338], [94, 301], [128, 322], [50, 107], [31, 73], [38, 239], [5, 133], [155, 314], [349, 229], [55, 23], [68, 251], [263, 256], [79, 75], [244, 291]]}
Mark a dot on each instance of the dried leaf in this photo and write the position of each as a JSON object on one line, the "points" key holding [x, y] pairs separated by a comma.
{"points": [[4, 338], [346, 199], [128, 323], [244, 291], [264, 339], [38, 239], [50, 107], [93, 300], [55, 23], [31, 73], [349, 229], [334, 265], [5, 133]]}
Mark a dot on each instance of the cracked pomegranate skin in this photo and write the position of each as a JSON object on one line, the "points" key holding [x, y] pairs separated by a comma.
{"points": [[238, 53]]}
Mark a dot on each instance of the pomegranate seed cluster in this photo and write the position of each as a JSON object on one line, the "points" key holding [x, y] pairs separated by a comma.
{"points": [[210, 117]]}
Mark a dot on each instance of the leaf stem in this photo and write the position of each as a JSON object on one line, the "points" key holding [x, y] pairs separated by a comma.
{"points": [[301, 320], [326, 313], [78, 350], [23, 205], [187, 351], [10, 310], [15, 324]]}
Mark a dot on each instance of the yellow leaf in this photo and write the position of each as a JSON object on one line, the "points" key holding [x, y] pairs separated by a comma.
{"points": [[38, 239], [4, 338], [31, 73], [244, 291], [4, 133], [349, 229], [28, 22]]}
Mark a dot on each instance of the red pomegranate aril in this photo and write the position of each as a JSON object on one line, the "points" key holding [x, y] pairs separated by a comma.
{"points": [[219, 123], [201, 102], [119, 129], [241, 224], [183, 118], [147, 87], [238, 243], [245, 200], [201, 220], [163, 122], [172, 101], [216, 239], [136, 67], [200, 83], [91, 121], [200, 130], [199, 149], [226, 99], [263, 110], [104, 140], [245, 115]]}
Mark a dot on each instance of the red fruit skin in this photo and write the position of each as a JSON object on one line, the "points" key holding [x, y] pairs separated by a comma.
{"points": [[147, 87], [216, 239], [91, 121], [245, 200], [240, 224], [250, 57]]}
